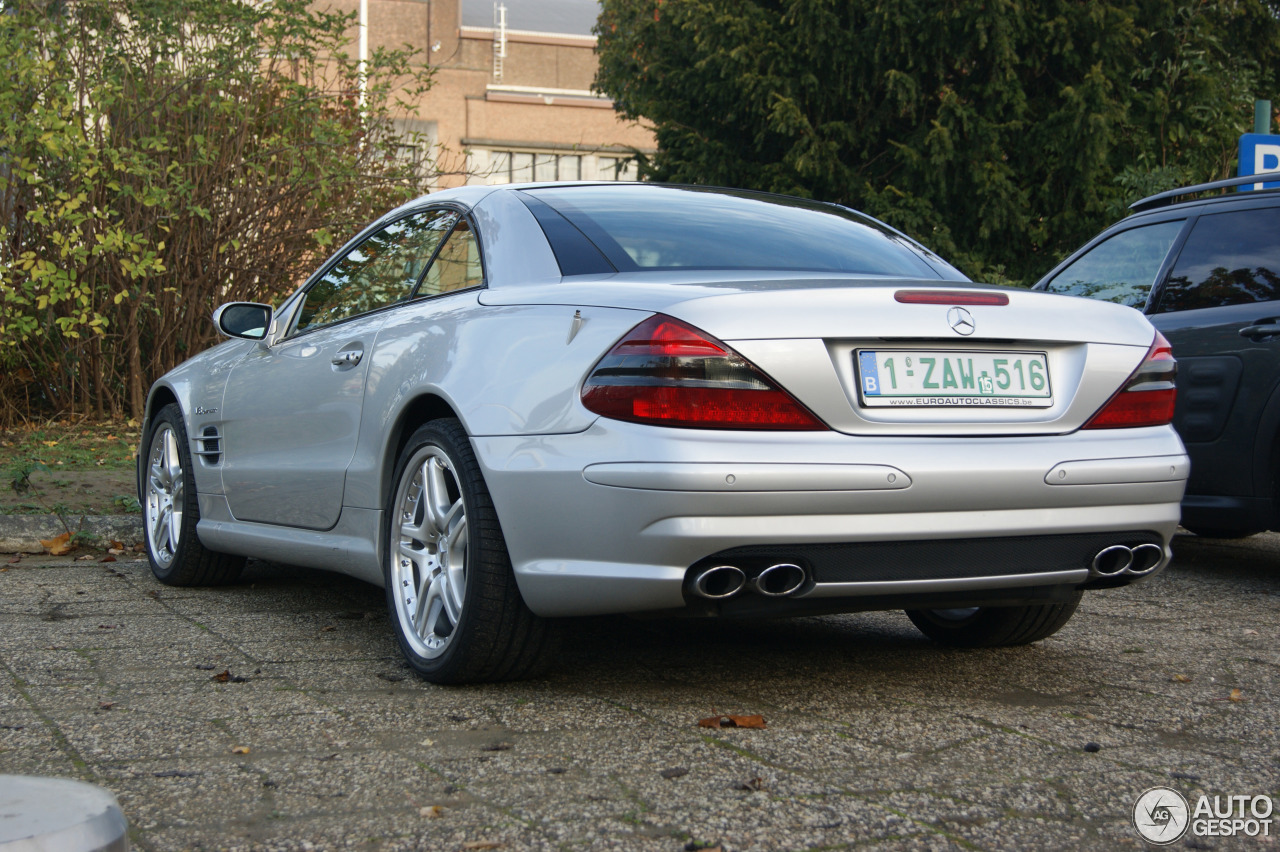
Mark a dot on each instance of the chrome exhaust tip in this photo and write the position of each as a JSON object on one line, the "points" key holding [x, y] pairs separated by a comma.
{"points": [[779, 580], [1112, 560], [719, 582], [1146, 558]]}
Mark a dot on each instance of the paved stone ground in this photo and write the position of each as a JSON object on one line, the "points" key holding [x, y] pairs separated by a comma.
{"points": [[875, 738]]}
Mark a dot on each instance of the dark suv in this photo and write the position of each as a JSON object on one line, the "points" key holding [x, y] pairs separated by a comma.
{"points": [[1205, 269]]}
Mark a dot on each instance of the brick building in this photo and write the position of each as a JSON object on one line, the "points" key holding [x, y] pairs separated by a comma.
{"points": [[512, 98]]}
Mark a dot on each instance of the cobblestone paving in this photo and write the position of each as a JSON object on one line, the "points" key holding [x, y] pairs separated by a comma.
{"points": [[317, 737]]}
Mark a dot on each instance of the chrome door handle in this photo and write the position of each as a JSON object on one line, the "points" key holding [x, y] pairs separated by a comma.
{"points": [[1262, 330], [348, 358]]}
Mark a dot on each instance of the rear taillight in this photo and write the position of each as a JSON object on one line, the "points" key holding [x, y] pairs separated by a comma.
{"points": [[1147, 397], [668, 373]]}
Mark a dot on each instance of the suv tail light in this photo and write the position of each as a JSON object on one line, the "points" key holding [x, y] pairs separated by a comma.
{"points": [[667, 373], [1147, 397]]}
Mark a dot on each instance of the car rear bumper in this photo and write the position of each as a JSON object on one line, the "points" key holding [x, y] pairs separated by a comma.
{"points": [[614, 518]]}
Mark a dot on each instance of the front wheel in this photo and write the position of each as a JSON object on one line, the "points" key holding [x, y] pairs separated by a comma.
{"points": [[993, 626], [451, 592], [170, 511]]}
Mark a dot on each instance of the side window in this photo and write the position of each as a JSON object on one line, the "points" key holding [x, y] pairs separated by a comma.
{"points": [[380, 271], [1229, 259], [457, 266], [1121, 269]]}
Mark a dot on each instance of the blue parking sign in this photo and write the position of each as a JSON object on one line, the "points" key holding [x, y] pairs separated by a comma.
{"points": [[1259, 152]]}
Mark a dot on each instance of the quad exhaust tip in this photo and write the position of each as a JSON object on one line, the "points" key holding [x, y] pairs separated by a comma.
{"points": [[778, 581], [720, 582], [1121, 559]]}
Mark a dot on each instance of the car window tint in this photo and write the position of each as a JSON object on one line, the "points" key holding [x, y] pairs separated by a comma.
{"points": [[1229, 259], [457, 266], [1122, 269], [665, 227], [380, 271]]}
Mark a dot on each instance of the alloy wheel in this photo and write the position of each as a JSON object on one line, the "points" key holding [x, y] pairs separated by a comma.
{"points": [[165, 496], [429, 557]]}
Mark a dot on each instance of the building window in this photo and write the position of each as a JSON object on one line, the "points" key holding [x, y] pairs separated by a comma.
{"points": [[616, 168], [523, 167], [527, 167]]}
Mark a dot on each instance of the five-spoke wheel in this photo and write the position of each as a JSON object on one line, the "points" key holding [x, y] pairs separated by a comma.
{"points": [[452, 595], [429, 566], [171, 511], [165, 496]]}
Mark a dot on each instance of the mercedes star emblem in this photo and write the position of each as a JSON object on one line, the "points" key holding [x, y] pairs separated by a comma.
{"points": [[961, 321]]}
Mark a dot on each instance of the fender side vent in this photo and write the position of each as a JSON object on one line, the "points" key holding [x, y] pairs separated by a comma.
{"points": [[209, 445]]}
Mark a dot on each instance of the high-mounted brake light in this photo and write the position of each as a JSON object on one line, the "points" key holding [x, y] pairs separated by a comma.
{"points": [[950, 297], [1148, 396], [668, 373]]}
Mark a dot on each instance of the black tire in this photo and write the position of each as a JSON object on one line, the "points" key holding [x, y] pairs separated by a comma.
{"points": [[451, 592], [1221, 532], [993, 626], [171, 510]]}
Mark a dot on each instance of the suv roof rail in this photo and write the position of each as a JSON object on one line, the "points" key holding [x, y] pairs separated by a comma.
{"points": [[1163, 198]]}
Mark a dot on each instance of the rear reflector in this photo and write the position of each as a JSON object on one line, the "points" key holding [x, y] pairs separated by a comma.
{"points": [[668, 373], [950, 297], [1148, 397]]}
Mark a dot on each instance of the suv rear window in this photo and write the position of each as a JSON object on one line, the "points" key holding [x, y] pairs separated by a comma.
{"points": [[1121, 269], [663, 227], [1230, 258]]}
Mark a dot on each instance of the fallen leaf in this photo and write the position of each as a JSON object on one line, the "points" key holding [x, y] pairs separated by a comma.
{"points": [[115, 551], [674, 772], [225, 676], [431, 812], [240, 750], [50, 443], [732, 722], [106, 705], [107, 559], [328, 628], [1236, 695], [84, 558], [751, 785], [1251, 632], [1181, 678], [58, 545], [115, 545]]}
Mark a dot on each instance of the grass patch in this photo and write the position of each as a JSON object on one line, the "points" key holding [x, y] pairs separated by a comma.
{"points": [[62, 445]]}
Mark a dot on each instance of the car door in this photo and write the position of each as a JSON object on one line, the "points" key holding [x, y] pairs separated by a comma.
{"points": [[1219, 306], [292, 411]]}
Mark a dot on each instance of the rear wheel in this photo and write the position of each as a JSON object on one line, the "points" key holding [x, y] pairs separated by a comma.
{"points": [[451, 592], [993, 626], [171, 511], [1221, 532]]}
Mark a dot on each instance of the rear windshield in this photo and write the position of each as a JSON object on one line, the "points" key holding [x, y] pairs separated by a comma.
{"points": [[626, 228]]}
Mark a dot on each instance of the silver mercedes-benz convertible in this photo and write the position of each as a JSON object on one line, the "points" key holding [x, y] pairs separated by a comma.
{"points": [[508, 405]]}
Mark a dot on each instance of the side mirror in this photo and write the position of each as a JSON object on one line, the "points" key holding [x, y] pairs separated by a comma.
{"points": [[246, 320]]}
